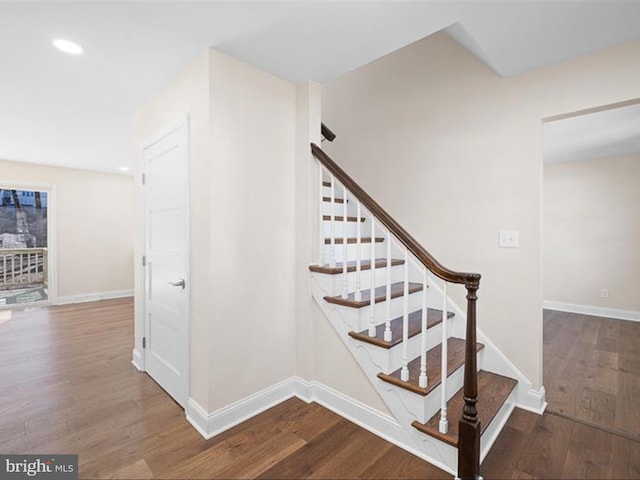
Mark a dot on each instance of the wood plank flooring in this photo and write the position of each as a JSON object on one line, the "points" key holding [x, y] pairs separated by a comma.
{"points": [[550, 447], [67, 386], [592, 369]]}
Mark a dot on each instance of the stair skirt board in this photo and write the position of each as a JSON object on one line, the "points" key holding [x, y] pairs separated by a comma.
{"points": [[405, 405], [527, 396], [208, 425], [380, 424]]}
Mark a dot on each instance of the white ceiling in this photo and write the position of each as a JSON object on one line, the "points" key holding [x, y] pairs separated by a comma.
{"points": [[603, 134], [77, 111]]}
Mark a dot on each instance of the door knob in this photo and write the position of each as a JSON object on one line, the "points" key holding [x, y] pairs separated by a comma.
{"points": [[181, 283]]}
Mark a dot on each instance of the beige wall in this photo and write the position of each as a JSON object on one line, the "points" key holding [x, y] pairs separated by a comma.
{"points": [[94, 215], [187, 94], [252, 229], [592, 232], [242, 128], [320, 354], [449, 148], [454, 153]]}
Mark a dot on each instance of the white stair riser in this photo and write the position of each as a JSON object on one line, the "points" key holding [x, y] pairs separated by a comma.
{"points": [[396, 310], [397, 275], [351, 251], [425, 407], [445, 453], [405, 405], [351, 230], [389, 360], [492, 431], [422, 408], [360, 318], [326, 191], [334, 284], [414, 347], [337, 210]]}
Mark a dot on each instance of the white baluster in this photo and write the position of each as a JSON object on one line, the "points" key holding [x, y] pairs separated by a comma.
{"points": [[320, 206], [404, 372], [422, 380], [444, 423], [332, 241], [387, 326], [372, 299], [345, 284], [358, 294]]}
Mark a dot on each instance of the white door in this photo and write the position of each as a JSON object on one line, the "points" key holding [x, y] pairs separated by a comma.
{"points": [[166, 306]]}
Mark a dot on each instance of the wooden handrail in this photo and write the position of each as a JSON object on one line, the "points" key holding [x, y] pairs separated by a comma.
{"points": [[391, 224], [327, 133], [469, 425]]}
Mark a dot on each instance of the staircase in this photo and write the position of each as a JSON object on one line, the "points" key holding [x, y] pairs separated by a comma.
{"points": [[386, 297]]}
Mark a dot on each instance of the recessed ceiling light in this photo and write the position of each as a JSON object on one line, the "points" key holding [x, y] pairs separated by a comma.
{"points": [[124, 169], [67, 46]]}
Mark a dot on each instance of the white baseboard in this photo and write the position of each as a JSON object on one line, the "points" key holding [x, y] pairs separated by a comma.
{"points": [[534, 401], [372, 420], [376, 422], [137, 360], [92, 297], [211, 424], [593, 310]]}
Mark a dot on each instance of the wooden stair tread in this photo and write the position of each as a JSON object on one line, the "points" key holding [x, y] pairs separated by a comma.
{"points": [[336, 200], [397, 290], [352, 240], [455, 351], [351, 266], [434, 317], [493, 391], [340, 218]]}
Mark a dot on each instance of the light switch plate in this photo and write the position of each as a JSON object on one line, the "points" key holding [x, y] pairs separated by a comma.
{"points": [[509, 239]]}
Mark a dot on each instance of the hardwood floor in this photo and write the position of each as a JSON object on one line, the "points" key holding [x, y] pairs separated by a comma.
{"points": [[592, 370], [67, 386], [551, 447]]}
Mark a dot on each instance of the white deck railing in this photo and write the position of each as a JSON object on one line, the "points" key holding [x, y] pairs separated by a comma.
{"points": [[23, 268]]}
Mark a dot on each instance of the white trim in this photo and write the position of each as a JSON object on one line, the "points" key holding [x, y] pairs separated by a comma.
{"points": [[493, 430], [593, 310], [534, 401], [526, 398], [137, 360], [52, 237], [93, 297], [182, 121], [372, 420], [178, 123], [211, 424]]}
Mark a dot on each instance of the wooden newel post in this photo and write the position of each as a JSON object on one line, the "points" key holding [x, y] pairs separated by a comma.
{"points": [[469, 426]]}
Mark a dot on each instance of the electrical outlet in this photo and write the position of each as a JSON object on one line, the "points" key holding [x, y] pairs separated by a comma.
{"points": [[508, 239], [604, 293]]}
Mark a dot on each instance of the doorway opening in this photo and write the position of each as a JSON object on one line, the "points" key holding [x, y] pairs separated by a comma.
{"points": [[591, 244], [24, 253]]}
